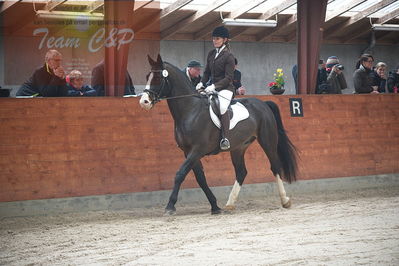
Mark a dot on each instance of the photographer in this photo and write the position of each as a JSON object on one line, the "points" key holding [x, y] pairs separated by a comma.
{"points": [[335, 78]]}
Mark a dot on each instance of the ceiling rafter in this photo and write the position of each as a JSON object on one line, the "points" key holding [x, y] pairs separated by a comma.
{"points": [[233, 14], [197, 15], [391, 15], [342, 9], [268, 14], [7, 4], [168, 11], [290, 21], [95, 5], [358, 17], [382, 20], [52, 4]]}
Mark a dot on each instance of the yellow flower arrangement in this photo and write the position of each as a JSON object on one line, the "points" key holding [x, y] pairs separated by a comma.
{"points": [[278, 82]]}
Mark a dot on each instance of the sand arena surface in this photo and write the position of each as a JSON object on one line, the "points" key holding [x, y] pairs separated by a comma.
{"points": [[343, 228]]}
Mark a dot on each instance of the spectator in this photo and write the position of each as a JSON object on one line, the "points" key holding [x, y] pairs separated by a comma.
{"points": [[4, 92], [193, 71], [321, 83], [361, 76], [98, 81], [393, 80], [48, 80], [239, 89], [378, 77], [295, 76], [335, 79], [76, 87]]}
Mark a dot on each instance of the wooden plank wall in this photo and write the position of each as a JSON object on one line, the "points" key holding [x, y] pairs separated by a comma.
{"points": [[64, 147]]}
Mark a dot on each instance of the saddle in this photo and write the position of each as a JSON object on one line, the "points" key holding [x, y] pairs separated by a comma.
{"points": [[237, 112]]}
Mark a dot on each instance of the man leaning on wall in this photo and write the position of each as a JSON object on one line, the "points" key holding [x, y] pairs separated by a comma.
{"points": [[48, 80]]}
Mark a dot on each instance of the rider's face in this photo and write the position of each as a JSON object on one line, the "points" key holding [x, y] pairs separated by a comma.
{"points": [[218, 41]]}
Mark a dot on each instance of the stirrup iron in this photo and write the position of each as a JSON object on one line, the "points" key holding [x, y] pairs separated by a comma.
{"points": [[224, 144]]}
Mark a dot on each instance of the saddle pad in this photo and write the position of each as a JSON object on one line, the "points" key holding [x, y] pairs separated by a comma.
{"points": [[239, 113]]}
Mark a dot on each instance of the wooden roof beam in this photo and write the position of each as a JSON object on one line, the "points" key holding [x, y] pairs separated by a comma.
{"points": [[391, 15], [197, 15], [342, 9], [358, 17], [268, 14], [7, 4], [52, 4], [266, 33], [95, 5], [168, 11], [233, 14]]}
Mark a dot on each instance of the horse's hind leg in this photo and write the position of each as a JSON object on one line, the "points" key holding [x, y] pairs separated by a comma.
{"points": [[200, 176], [270, 148], [237, 157], [285, 201]]}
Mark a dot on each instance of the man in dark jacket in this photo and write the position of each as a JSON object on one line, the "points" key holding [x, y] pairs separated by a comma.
{"points": [[193, 71], [98, 80], [393, 80], [48, 80]]}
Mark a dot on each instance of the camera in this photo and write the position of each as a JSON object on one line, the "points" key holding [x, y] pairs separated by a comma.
{"points": [[340, 67]]}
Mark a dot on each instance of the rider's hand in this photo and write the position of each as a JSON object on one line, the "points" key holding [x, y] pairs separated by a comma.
{"points": [[199, 86], [210, 89]]}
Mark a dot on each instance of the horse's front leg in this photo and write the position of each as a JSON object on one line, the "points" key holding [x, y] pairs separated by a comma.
{"points": [[180, 176], [201, 180]]}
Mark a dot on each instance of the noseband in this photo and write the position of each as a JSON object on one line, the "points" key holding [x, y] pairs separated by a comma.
{"points": [[156, 96]]}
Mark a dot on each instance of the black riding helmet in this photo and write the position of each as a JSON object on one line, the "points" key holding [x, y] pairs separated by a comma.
{"points": [[221, 31]]}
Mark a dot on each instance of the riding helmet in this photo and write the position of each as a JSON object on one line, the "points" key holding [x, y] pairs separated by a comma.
{"points": [[221, 31]]}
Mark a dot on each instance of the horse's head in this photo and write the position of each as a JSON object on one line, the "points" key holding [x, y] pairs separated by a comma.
{"points": [[157, 84]]}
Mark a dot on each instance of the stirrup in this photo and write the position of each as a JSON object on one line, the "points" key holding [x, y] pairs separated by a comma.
{"points": [[224, 144]]}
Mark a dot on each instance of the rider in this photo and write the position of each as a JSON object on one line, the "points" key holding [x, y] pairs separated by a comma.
{"points": [[218, 73]]}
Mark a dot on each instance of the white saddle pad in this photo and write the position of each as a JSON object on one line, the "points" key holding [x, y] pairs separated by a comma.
{"points": [[240, 112]]}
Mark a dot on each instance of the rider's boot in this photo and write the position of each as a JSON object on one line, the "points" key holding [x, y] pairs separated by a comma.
{"points": [[225, 143]]}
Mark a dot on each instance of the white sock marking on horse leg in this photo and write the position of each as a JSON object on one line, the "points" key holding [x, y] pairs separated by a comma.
{"points": [[234, 194], [281, 190]]}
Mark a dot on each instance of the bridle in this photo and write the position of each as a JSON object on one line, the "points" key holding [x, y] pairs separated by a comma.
{"points": [[156, 96]]}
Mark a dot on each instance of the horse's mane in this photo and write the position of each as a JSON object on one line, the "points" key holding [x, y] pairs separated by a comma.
{"points": [[184, 79]]}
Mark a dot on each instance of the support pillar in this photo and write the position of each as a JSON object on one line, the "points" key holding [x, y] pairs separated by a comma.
{"points": [[118, 18], [311, 16]]}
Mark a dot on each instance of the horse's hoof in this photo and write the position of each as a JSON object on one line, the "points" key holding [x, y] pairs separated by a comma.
{"points": [[229, 207], [169, 212], [287, 204], [217, 211]]}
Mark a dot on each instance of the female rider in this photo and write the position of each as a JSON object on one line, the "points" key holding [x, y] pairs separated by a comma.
{"points": [[218, 75]]}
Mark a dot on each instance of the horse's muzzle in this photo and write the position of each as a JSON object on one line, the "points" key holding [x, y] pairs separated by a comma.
{"points": [[145, 101]]}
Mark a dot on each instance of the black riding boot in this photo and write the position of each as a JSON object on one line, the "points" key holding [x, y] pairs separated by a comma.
{"points": [[225, 120]]}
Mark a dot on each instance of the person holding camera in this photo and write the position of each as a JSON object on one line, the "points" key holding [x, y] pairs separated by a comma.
{"points": [[335, 79]]}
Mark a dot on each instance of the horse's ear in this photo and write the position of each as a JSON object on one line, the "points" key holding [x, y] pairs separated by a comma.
{"points": [[152, 62], [159, 59]]}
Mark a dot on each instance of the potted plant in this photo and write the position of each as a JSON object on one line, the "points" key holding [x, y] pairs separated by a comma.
{"points": [[277, 86]]}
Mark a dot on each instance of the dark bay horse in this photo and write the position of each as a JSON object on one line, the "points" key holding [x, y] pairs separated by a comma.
{"points": [[197, 135]]}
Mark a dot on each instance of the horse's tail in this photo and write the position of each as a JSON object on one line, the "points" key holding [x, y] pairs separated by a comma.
{"points": [[287, 152]]}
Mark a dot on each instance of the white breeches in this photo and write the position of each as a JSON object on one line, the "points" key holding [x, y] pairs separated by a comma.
{"points": [[224, 100]]}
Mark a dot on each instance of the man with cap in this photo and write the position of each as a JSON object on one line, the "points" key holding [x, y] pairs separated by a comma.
{"points": [[335, 78], [193, 71], [219, 72]]}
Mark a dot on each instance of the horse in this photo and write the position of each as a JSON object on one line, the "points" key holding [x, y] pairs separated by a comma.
{"points": [[197, 136]]}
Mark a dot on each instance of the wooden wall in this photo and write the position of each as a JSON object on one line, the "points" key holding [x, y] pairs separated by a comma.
{"points": [[64, 147]]}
